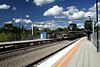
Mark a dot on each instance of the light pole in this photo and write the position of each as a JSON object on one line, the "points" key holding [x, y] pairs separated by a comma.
{"points": [[97, 25], [19, 31], [33, 30], [93, 22]]}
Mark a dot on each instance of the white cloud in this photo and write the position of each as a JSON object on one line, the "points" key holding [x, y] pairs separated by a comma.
{"points": [[80, 25], [14, 8], [79, 15], [91, 14], [54, 11], [99, 17], [66, 13], [27, 16], [98, 20], [45, 24], [70, 22], [60, 27], [17, 20], [98, 23], [60, 17], [22, 20], [27, 0], [27, 21], [63, 14], [41, 2], [36, 25], [84, 9], [58, 12], [94, 7], [72, 12], [8, 22], [4, 6], [72, 9]]}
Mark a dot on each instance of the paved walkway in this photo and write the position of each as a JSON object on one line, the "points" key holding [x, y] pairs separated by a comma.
{"points": [[85, 56], [61, 58], [80, 54]]}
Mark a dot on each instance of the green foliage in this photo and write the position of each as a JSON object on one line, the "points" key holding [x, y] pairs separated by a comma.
{"points": [[9, 28], [6, 37], [72, 26], [59, 29], [88, 25], [9, 32]]}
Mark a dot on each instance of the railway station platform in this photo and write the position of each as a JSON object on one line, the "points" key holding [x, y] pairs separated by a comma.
{"points": [[80, 54]]}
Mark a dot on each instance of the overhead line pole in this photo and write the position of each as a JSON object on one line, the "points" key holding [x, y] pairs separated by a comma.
{"points": [[33, 30], [97, 25]]}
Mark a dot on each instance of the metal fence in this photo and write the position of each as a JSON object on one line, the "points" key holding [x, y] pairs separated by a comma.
{"points": [[94, 39], [17, 37]]}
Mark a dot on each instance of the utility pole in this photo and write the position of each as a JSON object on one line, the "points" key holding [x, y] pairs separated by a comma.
{"points": [[93, 26], [33, 30], [97, 25], [19, 29]]}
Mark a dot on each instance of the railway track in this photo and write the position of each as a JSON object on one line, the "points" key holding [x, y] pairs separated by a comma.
{"points": [[11, 53], [31, 56], [39, 61]]}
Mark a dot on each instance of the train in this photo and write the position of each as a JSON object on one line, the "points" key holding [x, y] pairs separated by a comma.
{"points": [[68, 35]]}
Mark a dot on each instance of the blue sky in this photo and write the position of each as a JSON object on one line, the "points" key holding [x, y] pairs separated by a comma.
{"points": [[28, 11]]}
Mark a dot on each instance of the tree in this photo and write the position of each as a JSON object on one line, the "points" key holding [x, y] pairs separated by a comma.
{"points": [[72, 26], [88, 25], [1, 29], [46, 30], [59, 29], [10, 28]]}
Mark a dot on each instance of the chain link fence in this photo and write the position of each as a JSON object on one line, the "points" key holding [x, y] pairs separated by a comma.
{"points": [[94, 39], [4, 37]]}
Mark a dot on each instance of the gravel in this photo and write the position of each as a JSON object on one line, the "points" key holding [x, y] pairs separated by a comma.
{"points": [[30, 57]]}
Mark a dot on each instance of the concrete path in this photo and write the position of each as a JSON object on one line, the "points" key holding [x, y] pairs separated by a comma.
{"points": [[86, 56]]}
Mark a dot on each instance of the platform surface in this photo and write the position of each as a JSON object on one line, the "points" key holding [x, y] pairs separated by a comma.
{"points": [[80, 54], [85, 56]]}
